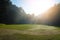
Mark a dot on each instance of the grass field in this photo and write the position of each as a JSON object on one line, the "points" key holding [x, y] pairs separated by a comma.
{"points": [[29, 32]]}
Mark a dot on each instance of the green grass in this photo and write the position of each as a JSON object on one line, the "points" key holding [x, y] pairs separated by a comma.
{"points": [[18, 27], [24, 26], [29, 37], [21, 36]]}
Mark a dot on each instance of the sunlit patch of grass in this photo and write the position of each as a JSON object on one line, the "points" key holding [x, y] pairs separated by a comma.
{"points": [[29, 27], [18, 27], [43, 27]]}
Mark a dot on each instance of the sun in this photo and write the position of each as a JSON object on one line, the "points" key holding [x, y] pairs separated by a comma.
{"points": [[38, 6]]}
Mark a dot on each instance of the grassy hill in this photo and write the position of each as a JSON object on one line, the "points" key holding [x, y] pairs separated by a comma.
{"points": [[29, 32]]}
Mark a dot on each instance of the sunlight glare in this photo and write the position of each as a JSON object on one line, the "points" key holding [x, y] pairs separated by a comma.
{"points": [[38, 6]]}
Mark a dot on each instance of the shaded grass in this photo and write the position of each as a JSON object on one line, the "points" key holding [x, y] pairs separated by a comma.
{"points": [[29, 37]]}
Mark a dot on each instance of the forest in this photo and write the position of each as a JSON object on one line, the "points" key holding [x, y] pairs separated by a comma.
{"points": [[11, 14]]}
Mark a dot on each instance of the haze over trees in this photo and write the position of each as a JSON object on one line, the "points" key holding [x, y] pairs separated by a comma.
{"points": [[51, 16], [11, 14]]}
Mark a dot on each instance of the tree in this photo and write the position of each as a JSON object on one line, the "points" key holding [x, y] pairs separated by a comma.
{"points": [[11, 14], [52, 16], [3, 10]]}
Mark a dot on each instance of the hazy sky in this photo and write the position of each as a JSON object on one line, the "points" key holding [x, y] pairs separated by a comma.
{"points": [[35, 6]]}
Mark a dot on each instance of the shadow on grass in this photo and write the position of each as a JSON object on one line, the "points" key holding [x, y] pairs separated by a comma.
{"points": [[29, 37]]}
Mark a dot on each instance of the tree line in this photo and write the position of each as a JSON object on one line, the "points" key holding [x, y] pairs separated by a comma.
{"points": [[11, 14]]}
